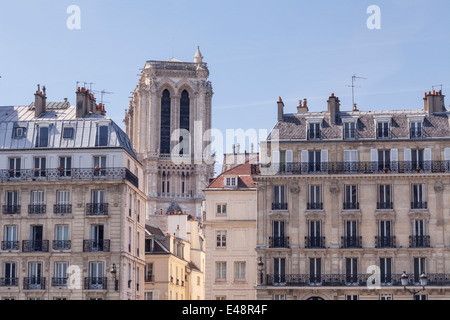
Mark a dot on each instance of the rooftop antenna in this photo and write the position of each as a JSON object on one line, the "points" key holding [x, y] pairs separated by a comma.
{"points": [[103, 92], [438, 85], [354, 77]]}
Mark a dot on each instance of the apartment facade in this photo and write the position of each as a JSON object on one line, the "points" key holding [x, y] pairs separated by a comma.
{"points": [[73, 208], [230, 232], [348, 201]]}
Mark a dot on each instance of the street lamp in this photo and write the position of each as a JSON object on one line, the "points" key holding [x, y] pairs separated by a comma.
{"points": [[114, 277], [422, 279], [260, 266]]}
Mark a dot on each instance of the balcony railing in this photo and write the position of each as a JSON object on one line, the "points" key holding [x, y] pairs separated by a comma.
{"points": [[419, 205], [419, 241], [359, 167], [9, 282], [95, 283], [10, 245], [34, 283], [73, 174], [351, 242], [279, 206], [62, 208], [314, 242], [61, 244], [385, 205], [96, 245], [279, 242], [334, 280], [351, 206], [385, 242], [35, 245], [11, 209], [37, 208], [96, 209], [314, 206], [59, 282]]}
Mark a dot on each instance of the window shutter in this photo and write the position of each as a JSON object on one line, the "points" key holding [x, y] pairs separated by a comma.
{"points": [[427, 159], [394, 160], [324, 160], [304, 160], [289, 160], [276, 160], [407, 159]]}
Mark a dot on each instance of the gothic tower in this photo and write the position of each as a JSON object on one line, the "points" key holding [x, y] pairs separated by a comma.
{"points": [[169, 122]]}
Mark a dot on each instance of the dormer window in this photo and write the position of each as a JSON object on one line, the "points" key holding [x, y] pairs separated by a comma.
{"points": [[68, 133], [231, 182], [415, 129], [19, 132], [349, 128], [101, 140], [383, 129], [42, 137], [314, 129]]}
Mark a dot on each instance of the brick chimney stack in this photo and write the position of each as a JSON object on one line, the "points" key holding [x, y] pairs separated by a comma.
{"points": [[40, 100], [333, 107], [434, 102], [280, 109]]}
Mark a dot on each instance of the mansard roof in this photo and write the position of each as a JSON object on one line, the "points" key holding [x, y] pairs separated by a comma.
{"points": [[57, 116]]}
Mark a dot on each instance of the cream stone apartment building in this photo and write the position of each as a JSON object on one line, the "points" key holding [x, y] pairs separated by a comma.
{"points": [[348, 201], [230, 232], [72, 224]]}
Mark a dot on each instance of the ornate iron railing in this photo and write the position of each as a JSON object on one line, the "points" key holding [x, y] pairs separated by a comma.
{"points": [[279, 242], [314, 242], [10, 245], [360, 167], [96, 209], [351, 242], [34, 283], [419, 241], [385, 242], [332, 280], [279, 206], [73, 174], [11, 209], [59, 282], [9, 282], [37, 209], [95, 283], [96, 245], [61, 244], [62, 208], [35, 245]]}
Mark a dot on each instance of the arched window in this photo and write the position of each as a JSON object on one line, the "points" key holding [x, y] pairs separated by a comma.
{"points": [[184, 116], [165, 123]]}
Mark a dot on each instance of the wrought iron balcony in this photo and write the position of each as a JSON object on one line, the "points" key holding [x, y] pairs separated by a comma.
{"points": [[279, 242], [35, 245], [279, 206], [34, 283], [10, 245], [385, 205], [72, 174], [357, 167], [351, 242], [61, 244], [96, 209], [37, 208], [62, 208], [334, 280], [9, 282], [419, 205], [95, 283], [351, 205], [314, 206], [59, 282], [314, 242], [419, 241], [96, 245], [385, 242], [11, 209]]}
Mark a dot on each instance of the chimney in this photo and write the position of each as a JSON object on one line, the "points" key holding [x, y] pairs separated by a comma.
{"points": [[333, 107], [40, 100], [302, 108], [82, 102], [434, 102], [280, 109]]}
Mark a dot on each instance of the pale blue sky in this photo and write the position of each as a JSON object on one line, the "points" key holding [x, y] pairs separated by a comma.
{"points": [[255, 50]]}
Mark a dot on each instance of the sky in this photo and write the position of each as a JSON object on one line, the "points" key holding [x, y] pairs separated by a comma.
{"points": [[256, 51]]}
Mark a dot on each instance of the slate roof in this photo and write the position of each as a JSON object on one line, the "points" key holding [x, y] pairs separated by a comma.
{"points": [[59, 115], [294, 126], [243, 172]]}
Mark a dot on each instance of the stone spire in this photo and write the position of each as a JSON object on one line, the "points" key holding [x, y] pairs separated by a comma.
{"points": [[198, 58]]}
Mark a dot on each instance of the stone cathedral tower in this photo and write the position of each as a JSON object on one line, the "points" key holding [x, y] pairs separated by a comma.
{"points": [[168, 122]]}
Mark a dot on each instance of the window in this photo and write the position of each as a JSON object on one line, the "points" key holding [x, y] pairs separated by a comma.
{"points": [[184, 119], [60, 278], [35, 281], [221, 209], [19, 132], [386, 297], [40, 167], [351, 197], [279, 297], [14, 167], [68, 132], [37, 202], [384, 197], [419, 238], [279, 201], [231, 181], [221, 239], [96, 243], [10, 241], [101, 139], [349, 130], [314, 161], [165, 123], [10, 274], [221, 270], [279, 270], [418, 200], [62, 241], [315, 270], [351, 297], [351, 270], [350, 160], [99, 165], [65, 166], [62, 202], [383, 131], [151, 295], [421, 297], [148, 273], [239, 270], [419, 268], [278, 235], [42, 137], [386, 270], [12, 203], [385, 238], [384, 159], [415, 129], [351, 238], [314, 131], [96, 280], [314, 197], [315, 234]]}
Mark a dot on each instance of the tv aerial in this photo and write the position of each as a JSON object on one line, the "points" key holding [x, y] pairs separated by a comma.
{"points": [[354, 77]]}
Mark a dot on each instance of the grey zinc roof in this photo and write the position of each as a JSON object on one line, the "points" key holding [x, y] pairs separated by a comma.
{"points": [[294, 126], [58, 115]]}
